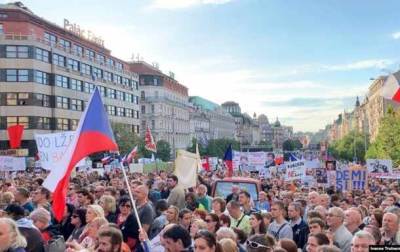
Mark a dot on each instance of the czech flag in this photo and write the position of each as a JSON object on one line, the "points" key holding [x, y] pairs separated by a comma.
{"points": [[93, 134], [391, 88], [228, 160], [106, 160]]}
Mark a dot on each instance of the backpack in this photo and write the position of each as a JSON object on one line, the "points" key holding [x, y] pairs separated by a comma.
{"points": [[56, 244]]}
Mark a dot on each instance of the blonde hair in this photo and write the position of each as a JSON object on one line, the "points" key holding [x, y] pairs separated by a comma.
{"points": [[228, 245], [200, 224], [109, 203], [7, 198], [18, 240], [98, 210], [99, 222]]}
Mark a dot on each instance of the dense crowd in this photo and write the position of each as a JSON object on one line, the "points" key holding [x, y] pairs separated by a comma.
{"points": [[286, 217]]}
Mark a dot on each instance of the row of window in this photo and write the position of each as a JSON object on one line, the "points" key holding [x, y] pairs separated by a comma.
{"points": [[23, 75], [81, 51], [45, 123], [19, 51], [35, 99]]}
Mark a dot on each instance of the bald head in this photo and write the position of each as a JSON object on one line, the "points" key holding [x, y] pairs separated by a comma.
{"points": [[140, 193]]}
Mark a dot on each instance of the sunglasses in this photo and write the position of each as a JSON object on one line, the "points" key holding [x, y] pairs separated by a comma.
{"points": [[209, 220], [255, 245], [74, 216]]}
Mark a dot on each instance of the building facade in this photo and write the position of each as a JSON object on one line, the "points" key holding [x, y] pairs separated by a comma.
{"points": [[221, 123], [164, 106], [47, 73]]}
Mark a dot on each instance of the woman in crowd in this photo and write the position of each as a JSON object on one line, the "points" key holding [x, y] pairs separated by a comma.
{"points": [[267, 219], [218, 206], [66, 226], [107, 202], [257, 224], [197, 225], [90, 241], [212, 221], [204, 241], [125, 208], [172, 215], [92, 212], [224, 221], [316, 240], [11, 239], [78, 220], [376, 217], [191, 202]]}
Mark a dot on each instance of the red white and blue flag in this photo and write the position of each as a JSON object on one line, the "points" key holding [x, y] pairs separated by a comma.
{"points": [[149, 141], [228, 160], [128, 158], [391, 88], [107, 160], [94, 134]]}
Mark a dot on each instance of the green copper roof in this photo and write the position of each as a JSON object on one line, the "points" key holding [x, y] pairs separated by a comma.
{"points": [[203, 103]]}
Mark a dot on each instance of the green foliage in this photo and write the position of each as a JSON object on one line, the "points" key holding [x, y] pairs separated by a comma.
{"points": [[192, 148], [126, 139], [217, 147], [387, 142], [163, 150], [291, 145], [350, 145]]}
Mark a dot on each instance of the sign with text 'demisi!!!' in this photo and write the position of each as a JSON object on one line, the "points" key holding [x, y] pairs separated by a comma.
{"points": [[379, 168], [8, 163], [51, 147], [294, 170], [351, 179]]}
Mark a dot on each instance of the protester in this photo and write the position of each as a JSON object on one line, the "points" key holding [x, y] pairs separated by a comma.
{"points": [[342, 236], [315, 240], [10, 238], [279, 228], [177, 194]]}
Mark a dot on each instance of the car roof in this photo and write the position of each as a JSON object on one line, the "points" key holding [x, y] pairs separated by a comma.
{"points": [[240, 179]]}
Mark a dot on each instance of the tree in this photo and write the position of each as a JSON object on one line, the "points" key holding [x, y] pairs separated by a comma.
{"points": [[351, 146], [192, 148], [125, 138], [387, 142], [291, 145], [163, 150], [217, 147]]}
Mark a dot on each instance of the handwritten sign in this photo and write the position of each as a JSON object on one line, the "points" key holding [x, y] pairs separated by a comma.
{"points": [[51, 147], [12, 163], [295, 170]]}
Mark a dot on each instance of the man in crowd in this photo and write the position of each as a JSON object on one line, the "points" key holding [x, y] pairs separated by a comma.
{"points": [[40, 198], [279, 228], [144, 207], [352, 220], [177, 193], [177, 239], [245, 202], [342, 236], [299, 227], [390, 226], [202, 197], [84, 198], [361, 242], [238, 218], [185, 218], [22, 198], [110, 240]]}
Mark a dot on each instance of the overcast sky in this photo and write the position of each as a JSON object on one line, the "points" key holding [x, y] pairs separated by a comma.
{"points": [[302, 61]]}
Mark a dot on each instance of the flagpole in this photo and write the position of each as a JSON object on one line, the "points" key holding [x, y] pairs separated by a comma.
{"points": [[130, 194]]}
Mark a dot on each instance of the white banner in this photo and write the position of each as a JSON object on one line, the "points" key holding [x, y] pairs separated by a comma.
{"points": [[186, 164], [12, 163], [379, 167], [295, 170], [51, 148]]}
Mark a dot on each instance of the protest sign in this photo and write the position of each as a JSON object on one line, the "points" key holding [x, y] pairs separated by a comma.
{"points": [[351, 179], [12, 163], [321, 176], [294, 170], [378, 168], [136, 168], [51, 147]]}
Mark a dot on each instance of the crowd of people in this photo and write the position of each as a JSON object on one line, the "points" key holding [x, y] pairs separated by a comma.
{"points": [[99, 216]]}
